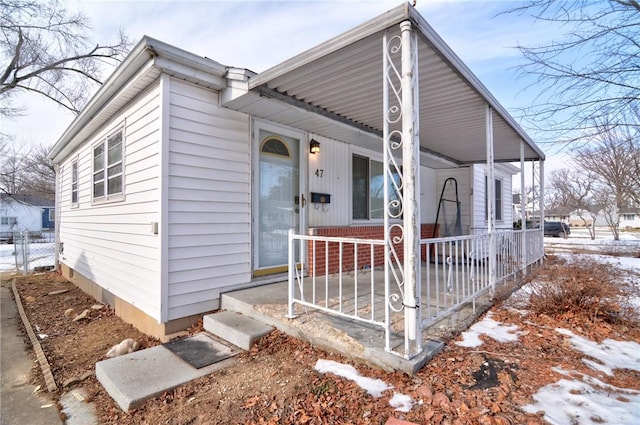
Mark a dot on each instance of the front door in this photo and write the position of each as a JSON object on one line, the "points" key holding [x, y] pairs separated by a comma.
{"points": [[278, 201]]}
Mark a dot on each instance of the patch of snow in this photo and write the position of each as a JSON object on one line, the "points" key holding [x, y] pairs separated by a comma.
{"points": [[491, 328], [611, 354], [569, 402], [401, 402], [375, 387], [624, 263], [40, 255]]}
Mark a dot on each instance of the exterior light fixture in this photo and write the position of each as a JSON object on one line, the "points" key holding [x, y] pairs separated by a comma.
{"points": [[314, 146]]}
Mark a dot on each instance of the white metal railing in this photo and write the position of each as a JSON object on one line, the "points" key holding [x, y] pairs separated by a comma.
{"points": [[345, 276], [456, 270]]}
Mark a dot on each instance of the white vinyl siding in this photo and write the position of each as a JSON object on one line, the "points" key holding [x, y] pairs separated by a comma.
{"points": [[209, 210], [329, 174], [112, 243]]}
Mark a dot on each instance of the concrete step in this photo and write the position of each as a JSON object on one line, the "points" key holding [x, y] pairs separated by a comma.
{"points": [[239, 330]]}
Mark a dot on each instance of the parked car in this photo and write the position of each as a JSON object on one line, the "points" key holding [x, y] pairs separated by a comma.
{"points": [[556, 229]]}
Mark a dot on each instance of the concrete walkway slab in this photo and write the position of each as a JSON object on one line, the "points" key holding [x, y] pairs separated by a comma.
{"points": [[136, 377]]}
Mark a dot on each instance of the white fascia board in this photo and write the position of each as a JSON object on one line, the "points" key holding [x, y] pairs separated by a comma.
{"points": [[186, 72], [457, 64]]}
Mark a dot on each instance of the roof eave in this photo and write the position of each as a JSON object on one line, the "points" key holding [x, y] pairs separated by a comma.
{"points": [[380, 23], [148, 52]]}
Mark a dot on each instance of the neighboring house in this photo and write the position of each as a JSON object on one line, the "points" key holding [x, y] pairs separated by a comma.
{"points": [[630, 219], [560, 214], [24, 212], [181, 177]]}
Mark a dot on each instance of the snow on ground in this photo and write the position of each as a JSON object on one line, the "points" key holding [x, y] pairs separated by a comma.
{"points": [[586, 400], [571, 401], [491, 328], [40, 255], [375, 387], [611, 354]]}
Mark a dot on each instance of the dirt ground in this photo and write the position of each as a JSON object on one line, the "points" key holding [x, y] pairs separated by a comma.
{"points": [[275, 382]]}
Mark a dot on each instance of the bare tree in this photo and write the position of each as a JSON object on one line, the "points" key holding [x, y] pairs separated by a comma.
{"points": [[27, 173], [575, 191], [41, 174], [590, 72], [47, 51], [12, 172], [612, 158]]}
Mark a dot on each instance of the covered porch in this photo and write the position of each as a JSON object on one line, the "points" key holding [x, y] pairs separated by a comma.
{"points": [[393, 86]]}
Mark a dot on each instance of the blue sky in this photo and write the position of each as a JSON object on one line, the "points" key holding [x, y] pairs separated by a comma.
{"points": [[260, 34]]}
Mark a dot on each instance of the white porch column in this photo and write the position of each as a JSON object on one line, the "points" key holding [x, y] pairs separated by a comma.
{"points": [[523, 215], [491, 199], [542, 207], [411, 191]]}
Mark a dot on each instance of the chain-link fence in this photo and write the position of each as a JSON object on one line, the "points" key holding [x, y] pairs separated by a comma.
{"points": [[27, 252]]}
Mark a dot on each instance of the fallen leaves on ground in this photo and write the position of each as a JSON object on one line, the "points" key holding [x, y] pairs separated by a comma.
{"points": [[274, 382]]}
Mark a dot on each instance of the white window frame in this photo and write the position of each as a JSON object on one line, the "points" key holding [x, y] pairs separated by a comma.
{"points": [[107, 196], [8, 220], [74, 183], [370, 156], [498, 207], [52, 215]]}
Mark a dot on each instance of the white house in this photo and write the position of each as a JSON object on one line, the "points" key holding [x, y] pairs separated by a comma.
{"points": [[25, 213], [181, 177], [630, 219]]}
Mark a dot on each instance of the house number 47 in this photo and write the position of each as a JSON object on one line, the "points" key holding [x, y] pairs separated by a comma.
{"points": [[319, 172]]}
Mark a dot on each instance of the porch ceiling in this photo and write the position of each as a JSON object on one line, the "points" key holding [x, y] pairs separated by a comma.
{"points": [[341, 82]]}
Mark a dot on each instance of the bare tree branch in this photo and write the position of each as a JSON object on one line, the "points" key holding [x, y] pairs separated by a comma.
{"points": [[48, 52], [590, 72]]}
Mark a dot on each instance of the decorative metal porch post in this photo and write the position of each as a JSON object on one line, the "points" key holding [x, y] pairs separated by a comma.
{"points": [[402, 185]]}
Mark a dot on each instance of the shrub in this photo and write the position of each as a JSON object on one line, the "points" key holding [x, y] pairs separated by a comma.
{"points": [[578, 288]]}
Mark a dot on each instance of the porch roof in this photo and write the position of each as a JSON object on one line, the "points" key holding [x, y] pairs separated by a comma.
{"points": [[341, 82]]}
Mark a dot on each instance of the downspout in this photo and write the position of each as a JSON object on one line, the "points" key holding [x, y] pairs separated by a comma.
{"points": [[491, 199]]}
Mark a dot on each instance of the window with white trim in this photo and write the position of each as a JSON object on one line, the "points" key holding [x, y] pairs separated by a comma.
{"points": [[497, 209], [108, 167], [52, 215], [8, 221], [74, 183], [367, 189]]}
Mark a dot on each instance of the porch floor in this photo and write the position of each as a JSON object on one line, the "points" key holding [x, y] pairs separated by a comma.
{"points": [[352, 338]]}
